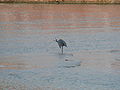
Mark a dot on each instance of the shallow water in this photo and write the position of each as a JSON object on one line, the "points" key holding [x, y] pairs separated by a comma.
{"points": [[30, 56]]}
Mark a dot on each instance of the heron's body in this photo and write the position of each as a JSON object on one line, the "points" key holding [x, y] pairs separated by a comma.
{"points": [[61, 43]]}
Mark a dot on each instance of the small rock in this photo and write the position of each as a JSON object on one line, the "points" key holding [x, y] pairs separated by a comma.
{"points": [[66, 59]]}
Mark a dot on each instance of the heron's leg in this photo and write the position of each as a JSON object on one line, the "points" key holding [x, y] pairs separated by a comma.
{"points": [[62, 49]]}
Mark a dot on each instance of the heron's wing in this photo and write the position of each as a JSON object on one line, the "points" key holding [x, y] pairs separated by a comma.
{"points": [[62, 42]]}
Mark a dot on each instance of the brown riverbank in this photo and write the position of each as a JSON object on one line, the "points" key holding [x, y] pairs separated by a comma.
{"points": [[63, 1]]}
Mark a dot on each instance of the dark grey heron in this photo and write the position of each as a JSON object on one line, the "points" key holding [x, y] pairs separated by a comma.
{"points": [[61, 43]]}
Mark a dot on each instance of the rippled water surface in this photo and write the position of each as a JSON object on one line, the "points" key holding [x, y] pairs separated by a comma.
{"points": [[27, 34]]}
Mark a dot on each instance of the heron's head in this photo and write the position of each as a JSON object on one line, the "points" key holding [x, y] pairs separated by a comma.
{"points": [[55, 40]]}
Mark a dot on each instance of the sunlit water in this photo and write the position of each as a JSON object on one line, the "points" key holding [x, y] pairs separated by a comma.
{"points": [[92, 33]]}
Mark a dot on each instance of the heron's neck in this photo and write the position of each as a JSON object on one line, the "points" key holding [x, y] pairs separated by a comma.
{"points": [[56, 40]]}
